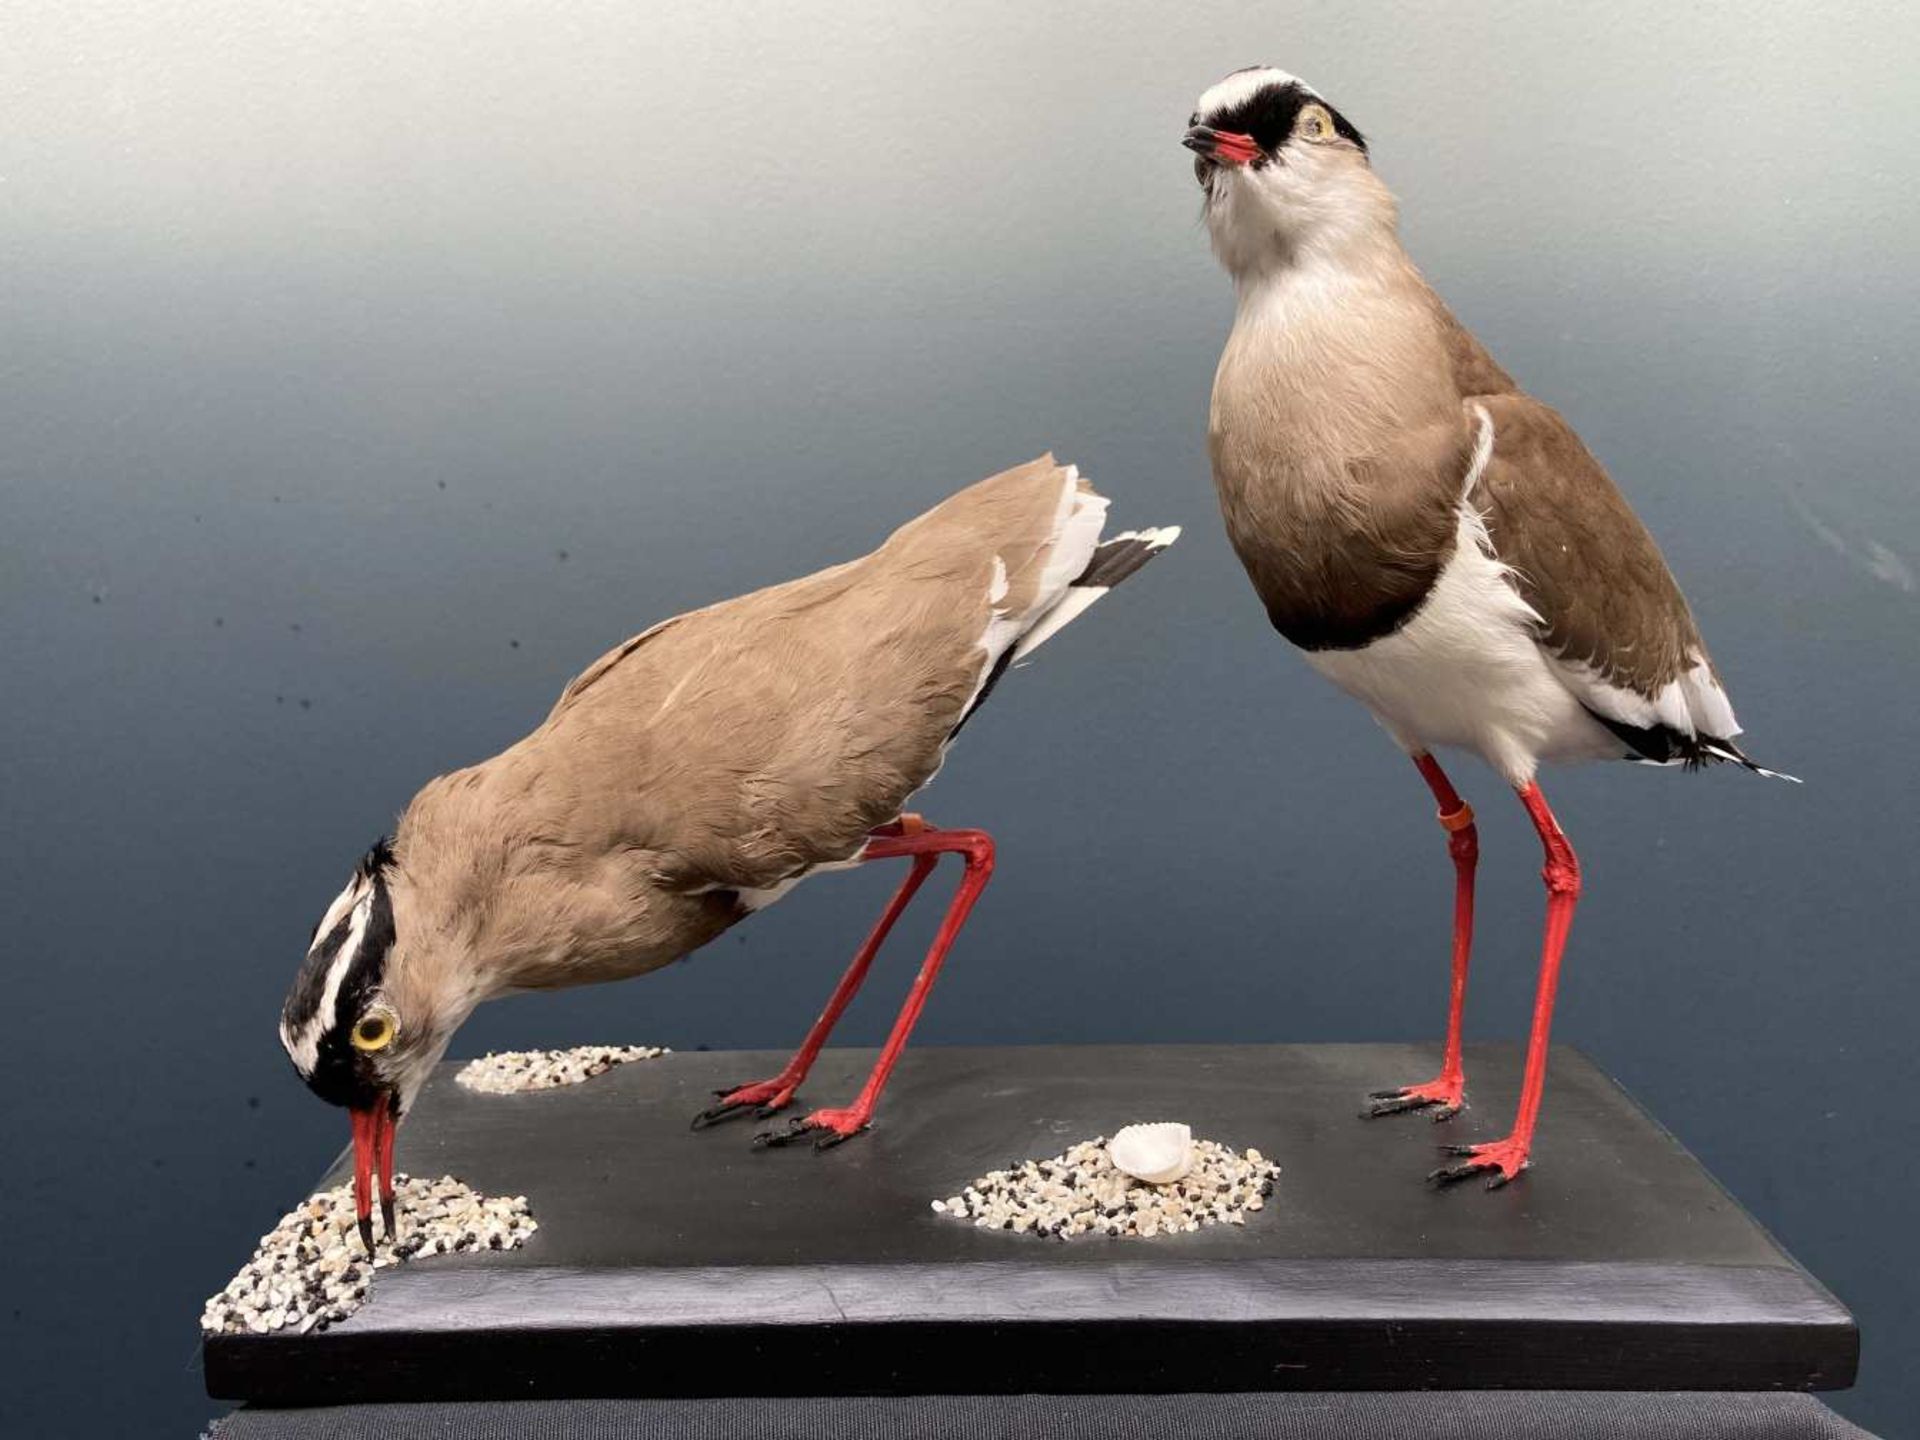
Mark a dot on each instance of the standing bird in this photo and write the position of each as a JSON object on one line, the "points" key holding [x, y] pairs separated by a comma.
{"points": [[1438, 542], [689, 778]]}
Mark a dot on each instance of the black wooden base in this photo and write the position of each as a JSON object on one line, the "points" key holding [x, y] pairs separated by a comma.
{"points": [[1292, 1415], [671, 1262]]}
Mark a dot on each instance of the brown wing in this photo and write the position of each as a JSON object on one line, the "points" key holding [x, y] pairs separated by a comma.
{"points": [[1611, 612], [1475, 371], [753, 739]]}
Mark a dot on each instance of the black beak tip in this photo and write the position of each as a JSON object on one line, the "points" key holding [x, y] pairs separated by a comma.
{"points": [[1199, 139]]}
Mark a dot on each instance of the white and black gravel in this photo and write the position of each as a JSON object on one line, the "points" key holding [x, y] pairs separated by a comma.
{"points": [[512, 1071], [1082, 1193], [311, 1271]]}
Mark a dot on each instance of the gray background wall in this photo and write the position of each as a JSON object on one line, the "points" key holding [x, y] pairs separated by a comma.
{"points": [[366, 369]]}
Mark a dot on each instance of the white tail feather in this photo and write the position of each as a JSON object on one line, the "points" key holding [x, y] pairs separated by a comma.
{"points": [[1728, 755], [1078, 598]]}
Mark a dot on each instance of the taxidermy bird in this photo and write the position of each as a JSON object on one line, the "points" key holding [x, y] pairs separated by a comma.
{"points": [[690, 777], [1438, 542]]}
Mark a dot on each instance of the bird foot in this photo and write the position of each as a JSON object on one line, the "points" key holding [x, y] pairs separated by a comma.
{"points": [[762, 1097], [826, 1128], [1500, 1160], [1449, 1095]]}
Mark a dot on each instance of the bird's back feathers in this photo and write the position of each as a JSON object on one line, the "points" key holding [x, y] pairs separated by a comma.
{"points": [[703, 765]]}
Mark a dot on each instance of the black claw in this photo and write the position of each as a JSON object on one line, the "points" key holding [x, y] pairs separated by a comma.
{"points": [[1500, 1179], [796, 1130], [1393, 1094], [386, 1219], [1449, 1174], [834, 1137], [366, 1234], [1456, 1150], [714, 1114], [1395, 1105]]}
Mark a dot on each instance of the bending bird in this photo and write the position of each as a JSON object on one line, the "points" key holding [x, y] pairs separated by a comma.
{"points": [[1437, 541], [688, 778]]}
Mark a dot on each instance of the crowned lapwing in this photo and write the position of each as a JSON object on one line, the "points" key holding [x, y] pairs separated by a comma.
{"points": [[689, 778], [1438, 542]]}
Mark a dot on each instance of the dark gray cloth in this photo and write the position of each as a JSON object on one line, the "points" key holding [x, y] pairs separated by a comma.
{"points": [[1399, 1415]]}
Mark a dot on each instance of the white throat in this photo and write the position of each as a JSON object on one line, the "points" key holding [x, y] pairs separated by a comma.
{"points": [[1283, 289], [1302, 220]]}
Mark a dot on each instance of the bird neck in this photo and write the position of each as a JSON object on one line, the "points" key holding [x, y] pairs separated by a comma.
{"points": [[1333, 352], [1268, 237], [1289, 282]]}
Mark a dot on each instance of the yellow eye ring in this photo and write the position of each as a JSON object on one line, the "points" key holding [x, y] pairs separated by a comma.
{"points": [[373, 1031], [1316, 123]]}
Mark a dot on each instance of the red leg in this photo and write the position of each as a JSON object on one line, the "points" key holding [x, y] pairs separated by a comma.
{"points": [[1507, 1158], [976, 849], [1447, 1091], [766, 1097]]}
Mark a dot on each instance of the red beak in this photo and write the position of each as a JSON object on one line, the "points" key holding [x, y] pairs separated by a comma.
{"points": [[373, 1131], [1225, 147]]}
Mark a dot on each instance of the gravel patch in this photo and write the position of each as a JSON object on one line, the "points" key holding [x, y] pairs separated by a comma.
{"points": [[1082, 1193], [310, 1271], [512, 1071]]}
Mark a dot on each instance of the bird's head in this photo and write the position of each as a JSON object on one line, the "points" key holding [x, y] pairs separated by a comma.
{"points": [[1282, 170], [367, 1020]]}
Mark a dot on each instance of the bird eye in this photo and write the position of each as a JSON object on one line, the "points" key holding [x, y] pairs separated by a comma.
{"points": [[1316, 123], [374, 1031]]}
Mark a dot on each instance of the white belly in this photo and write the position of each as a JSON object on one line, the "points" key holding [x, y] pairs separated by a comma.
{"points": [[1466, 671], [752, 900]]}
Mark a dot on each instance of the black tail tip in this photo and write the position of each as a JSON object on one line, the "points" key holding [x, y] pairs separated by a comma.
{"points": [[1728, 751], [1116, 558]]}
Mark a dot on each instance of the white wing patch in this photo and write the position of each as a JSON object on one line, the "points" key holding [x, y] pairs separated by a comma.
{"points": [[1079, 597], [1468, 669], [1076, 532], [1708, 704], [752, 899], [1694, 705]]}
